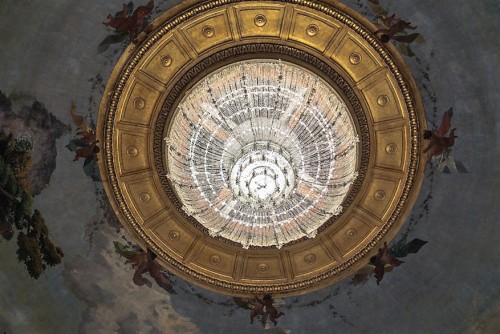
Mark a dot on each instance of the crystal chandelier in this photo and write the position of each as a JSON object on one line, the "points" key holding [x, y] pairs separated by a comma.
{"points": [[262, 152]]}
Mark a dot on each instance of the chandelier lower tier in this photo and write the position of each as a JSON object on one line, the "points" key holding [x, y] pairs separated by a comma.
{"points": [[262, 152], [261, 146]]}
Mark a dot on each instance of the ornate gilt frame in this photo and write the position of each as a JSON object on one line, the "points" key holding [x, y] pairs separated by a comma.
{"points": [[196, 37]]}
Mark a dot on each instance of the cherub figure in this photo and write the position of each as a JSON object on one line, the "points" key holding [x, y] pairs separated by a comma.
{"points": [[389, 26], [386, 259], [145, 262], [87, 137], [84, 146], [87, 146], [265, 308], [383, 262], [131, 24], [438, 142], [392, 28]]}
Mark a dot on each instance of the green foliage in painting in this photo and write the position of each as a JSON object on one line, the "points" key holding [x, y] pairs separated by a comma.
{"points": [[124, 250], [34, 246]]}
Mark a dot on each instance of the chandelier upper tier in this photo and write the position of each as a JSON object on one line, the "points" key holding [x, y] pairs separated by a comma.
{"points": [[262, 152]]}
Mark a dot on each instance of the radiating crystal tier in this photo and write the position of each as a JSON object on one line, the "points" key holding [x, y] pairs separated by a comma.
{"points": [[262, 152]]}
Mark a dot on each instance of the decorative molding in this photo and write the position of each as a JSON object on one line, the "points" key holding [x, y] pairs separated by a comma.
{"points": [[413, 172]]}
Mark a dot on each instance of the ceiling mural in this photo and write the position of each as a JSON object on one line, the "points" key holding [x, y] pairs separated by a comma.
{"points": [[242, 167]]}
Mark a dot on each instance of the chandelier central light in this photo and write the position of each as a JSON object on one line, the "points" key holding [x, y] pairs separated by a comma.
{"points": [[262, 152]]}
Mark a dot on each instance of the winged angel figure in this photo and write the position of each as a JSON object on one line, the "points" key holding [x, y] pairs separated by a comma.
{"points": [[392, 28], [128, 23], [387, 259], [144, 262], [439, 148], [265, 308], [85, 145]]}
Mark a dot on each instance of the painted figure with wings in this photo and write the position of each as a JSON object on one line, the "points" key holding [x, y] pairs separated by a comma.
{"points": [[386, 260], [439, 149], [265, 308], [128, 23], [390, 26], [144, 262], [85, 146], [438, 141], [394, 29]]}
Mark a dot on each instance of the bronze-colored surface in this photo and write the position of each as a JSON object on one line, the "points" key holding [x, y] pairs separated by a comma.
{"points": [[193, 39]]}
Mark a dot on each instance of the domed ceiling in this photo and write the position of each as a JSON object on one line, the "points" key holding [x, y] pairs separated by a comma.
{"points": [[252, 148]]}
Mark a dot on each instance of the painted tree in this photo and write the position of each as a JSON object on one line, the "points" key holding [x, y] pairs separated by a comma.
{"points": [[34, 246], [16, 202]]}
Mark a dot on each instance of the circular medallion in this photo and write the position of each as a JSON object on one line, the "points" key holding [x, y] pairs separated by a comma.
{"points": [[379, 195], [310, 258], [351, 233], [260, 20], [139, 103], [132, 151], [355, 58], [312, 30], [263, 268], [261, 145], [215, 260], [391, 148], [145, 197], [208, 31], [173, 235], [166, 61], [382, 100]]}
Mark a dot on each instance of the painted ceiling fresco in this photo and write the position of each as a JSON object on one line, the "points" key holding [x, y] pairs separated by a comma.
{"points": [[67, 266]]}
